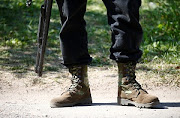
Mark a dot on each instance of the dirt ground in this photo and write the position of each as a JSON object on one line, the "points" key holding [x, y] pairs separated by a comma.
{"points": [[24, 95]]}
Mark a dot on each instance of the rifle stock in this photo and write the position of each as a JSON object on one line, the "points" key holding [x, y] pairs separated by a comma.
{"points": [[44, 21]]}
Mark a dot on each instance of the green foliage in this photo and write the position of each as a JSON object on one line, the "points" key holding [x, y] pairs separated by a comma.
{"points": [[19, 24], [16, 23], [160, 21]]}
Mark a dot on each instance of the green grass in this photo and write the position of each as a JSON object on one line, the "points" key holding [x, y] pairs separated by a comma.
{"points": [[18, 33], [160, 21]]}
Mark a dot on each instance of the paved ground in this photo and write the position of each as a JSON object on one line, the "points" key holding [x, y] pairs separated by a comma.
{"points": [[103, 107]]}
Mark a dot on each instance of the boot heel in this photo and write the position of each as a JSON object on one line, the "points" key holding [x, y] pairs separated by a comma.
{"points": [[122, 102], [86, 101]]}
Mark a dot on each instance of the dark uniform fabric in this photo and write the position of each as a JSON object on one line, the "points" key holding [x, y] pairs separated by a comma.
{"points": [[123, 18]]}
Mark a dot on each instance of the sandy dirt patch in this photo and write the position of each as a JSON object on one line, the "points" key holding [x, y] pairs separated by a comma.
{"points": [[27, 96]]}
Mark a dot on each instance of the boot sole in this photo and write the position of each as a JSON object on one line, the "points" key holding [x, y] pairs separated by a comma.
{"points": [[87, 101], [126, 102]]}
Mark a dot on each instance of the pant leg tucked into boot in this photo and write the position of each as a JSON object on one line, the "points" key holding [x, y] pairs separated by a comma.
{"points": [[78, 92], [130, 91]]}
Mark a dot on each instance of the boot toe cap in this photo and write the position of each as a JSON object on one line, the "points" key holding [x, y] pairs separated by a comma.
{"points": [[150, 99]]}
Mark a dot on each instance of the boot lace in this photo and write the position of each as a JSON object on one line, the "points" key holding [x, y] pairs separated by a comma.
{"points": [[76, 75], [75, 84], [134, 83], [131, 78]]}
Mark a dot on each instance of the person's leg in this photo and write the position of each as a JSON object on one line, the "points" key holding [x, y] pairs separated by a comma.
{"points": [[75, 53], [123, 17], [73, 33]]}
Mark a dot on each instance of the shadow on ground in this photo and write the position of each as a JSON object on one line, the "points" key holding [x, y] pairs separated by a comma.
{"points": [[163, 105]]}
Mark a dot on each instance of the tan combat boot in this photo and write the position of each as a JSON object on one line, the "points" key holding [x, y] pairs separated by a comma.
{"points": [[130, 91], [78, 93]]}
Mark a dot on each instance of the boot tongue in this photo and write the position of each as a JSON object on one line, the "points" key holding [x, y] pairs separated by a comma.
{"points": [[130, 81], [131, 77], [75, 70], [135, 84]]}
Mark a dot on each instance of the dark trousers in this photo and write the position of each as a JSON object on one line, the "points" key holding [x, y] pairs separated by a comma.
{"points": [[123, 18]]}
